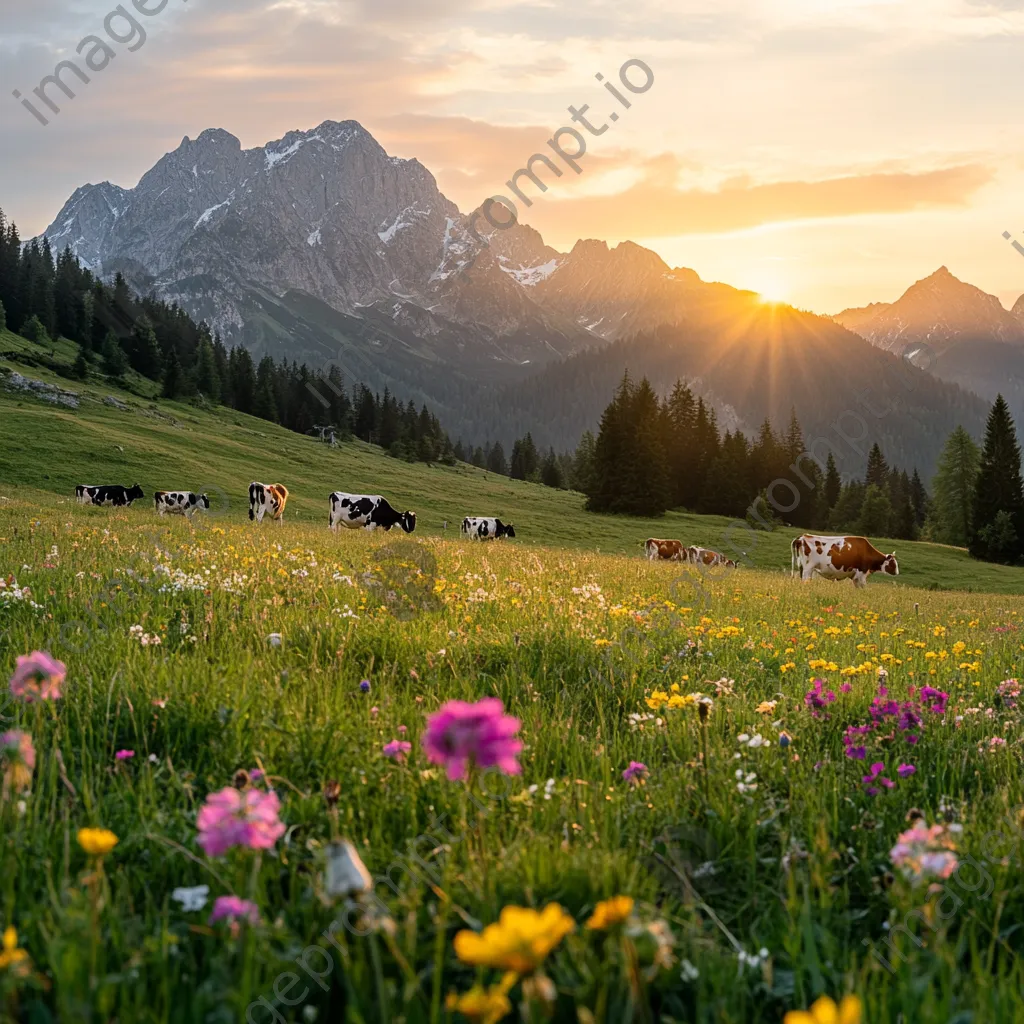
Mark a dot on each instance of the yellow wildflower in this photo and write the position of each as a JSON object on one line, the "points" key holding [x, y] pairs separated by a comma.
{"points": [[825, 1011], [766, 707], [11, 955], [519, 941], [611, 912], [487, 1006], [97, 842]]}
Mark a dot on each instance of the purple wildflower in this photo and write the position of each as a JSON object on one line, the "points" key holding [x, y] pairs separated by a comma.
{"points": [[397, 750], [905, 769], [635, 771]]}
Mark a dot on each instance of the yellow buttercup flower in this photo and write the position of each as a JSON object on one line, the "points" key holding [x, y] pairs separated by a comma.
{"points": [[11, 955], [486, 1005], [610, 913], [825, 1011], [97, 842], [519, 941], [766, 707]]}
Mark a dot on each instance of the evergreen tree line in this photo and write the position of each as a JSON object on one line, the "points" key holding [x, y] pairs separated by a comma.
{"points": [[979, 500], [651, 455], [43, 299]]}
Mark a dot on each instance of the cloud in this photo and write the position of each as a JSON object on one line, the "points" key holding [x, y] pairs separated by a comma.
{"points": [[654, 208]]}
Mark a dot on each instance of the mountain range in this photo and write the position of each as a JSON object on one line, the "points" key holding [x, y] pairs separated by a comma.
{"points": [[320, 247]]}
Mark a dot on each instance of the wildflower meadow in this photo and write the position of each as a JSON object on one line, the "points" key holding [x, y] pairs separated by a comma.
{"points": [[273, 774]]}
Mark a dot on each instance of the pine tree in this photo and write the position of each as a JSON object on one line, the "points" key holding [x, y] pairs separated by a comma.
{"points": [[173, 377], [875, 512], [115, 362], [265, 401], [204, 372], [954, 487], [581, 477], [34, 330], [998, 488], [551, 471], [878, 468], [81, 367], [919, 499], [496, 460], [3, 317], [144, 352], [479, 459], [833, 483]]}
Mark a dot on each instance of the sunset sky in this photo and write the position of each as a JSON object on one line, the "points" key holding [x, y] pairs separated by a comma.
{"points": [[827, 152]]}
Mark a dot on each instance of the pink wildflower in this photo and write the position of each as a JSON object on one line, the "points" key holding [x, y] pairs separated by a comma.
{"points": [[37, 676], [635, 771], [397, 749], [124, 755], [17, 760], [239, 818], [460, 734], [234, 909], [924, 853], [905, 769]]}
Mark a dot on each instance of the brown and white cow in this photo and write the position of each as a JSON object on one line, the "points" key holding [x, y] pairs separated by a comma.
{"points": [[707, 557], [840, 558], [664, 550], [264, 498]]}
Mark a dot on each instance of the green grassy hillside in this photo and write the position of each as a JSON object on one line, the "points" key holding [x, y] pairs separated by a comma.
{"points": [[45, 450]]}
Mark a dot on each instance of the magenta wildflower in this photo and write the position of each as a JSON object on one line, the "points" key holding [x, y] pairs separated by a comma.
{"points": [[845, 687], [37, 676], [459, 735], [239, 818], [124, 755], [397, 749], [875, 776], [816, 698], [905, 769], [636, 770], [234, 909]]}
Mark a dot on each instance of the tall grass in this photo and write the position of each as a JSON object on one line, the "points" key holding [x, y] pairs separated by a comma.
{"points": [[796, 863]]}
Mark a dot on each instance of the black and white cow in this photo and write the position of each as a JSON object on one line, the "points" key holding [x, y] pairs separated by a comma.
{"points": [[107, 494], [179, 503], [486, 528], [264, 498], [368, 511]]}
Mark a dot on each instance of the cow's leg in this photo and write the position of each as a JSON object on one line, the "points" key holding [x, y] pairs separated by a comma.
{"points": [[860, 579], [806, 572]]}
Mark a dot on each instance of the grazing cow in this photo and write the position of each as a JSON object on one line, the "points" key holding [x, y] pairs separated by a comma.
{"points": [[705, 556], [265, 498], [179, 503], [108, 494], [840, 558], [368, 511], [665, 550], [486, 528]]}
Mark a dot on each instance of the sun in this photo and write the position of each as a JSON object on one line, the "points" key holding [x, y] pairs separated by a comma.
{"points": [[771, 288], [771, 292]]}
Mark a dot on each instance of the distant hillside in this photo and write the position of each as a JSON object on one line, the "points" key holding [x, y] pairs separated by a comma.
{"points": [[759, 367]]}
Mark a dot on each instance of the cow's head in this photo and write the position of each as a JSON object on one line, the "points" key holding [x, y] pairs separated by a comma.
{"points": [[204, 501], [510, 530], [890, 565], [135, 492], [408, 521]]}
